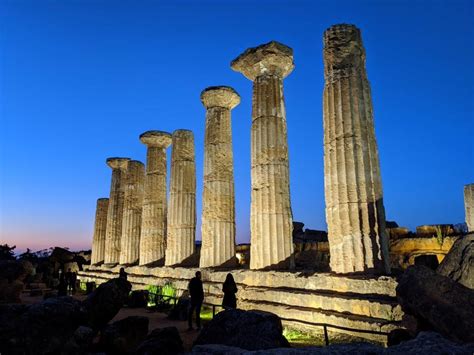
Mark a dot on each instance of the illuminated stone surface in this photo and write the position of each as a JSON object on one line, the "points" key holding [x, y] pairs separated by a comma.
{"points": [[302, 301], [469, 206], [132, 212], [182, 204], [115, 210], [153, 230], [403, 251], [100, 226], [218, 203], [354, 201], [271, 223]]}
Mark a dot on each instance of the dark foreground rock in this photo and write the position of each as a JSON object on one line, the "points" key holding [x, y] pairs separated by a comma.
{"points": [[138, 299], [250, 330], [458, 264], [123, 336], [162, 341], [438, 303], [425, 343], [105, 302], [39, 328]]}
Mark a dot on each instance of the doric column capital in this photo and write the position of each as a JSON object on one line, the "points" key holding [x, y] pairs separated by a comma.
{"points": [[117, 163], [343, 49], [272, 58], [220, 96], [156, 139]]}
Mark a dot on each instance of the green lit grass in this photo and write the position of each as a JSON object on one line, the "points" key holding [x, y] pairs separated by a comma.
{"points": [[297, 338]]}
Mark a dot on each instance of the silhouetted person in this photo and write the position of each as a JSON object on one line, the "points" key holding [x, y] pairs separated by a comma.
{"points": [[62, 287], [197, 297], [73, 281], [69, 280], [123, 274], [230, 289]]}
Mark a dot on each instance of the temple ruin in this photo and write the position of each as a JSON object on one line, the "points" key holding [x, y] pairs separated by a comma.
{"points": [[469, 206], [153, 229], [132, 213], [113, 233], [271, 220], [218, 201], [154, 238], [181, 228], [100, 226], [354, 201]]}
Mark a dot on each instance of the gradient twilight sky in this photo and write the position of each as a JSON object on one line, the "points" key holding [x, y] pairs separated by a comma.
{"points": [[80, 80]]}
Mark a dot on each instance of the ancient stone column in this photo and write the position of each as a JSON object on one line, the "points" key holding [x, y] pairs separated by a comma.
{"points": [[218, 204], [355, 212], [132, 213], [469, 206], [100, 226], [271, 217], [115, 212], [153, 236], [182, 203]]}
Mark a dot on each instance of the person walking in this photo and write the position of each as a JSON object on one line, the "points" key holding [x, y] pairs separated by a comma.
{"points": [[230, 289], [196, 293]]}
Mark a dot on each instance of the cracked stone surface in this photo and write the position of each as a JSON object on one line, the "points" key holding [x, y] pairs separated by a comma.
{"points": [[100, 226], [132, 212], [154, 213], [182, 204], [218, 203], [353, 189], [115, 210], [271, 222]]}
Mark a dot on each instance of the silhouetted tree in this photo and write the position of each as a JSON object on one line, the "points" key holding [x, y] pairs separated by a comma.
{"points": [[6, 252]]}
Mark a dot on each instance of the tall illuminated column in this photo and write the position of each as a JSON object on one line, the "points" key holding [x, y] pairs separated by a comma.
{"points": [[115, 211], [153, 233], [181, 231], [271, 220], [218, 203], [132, 213], [353, 189], [100, 226], [469, 206]]}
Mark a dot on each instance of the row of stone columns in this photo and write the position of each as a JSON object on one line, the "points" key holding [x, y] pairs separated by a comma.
{"points": [[135, 223]]}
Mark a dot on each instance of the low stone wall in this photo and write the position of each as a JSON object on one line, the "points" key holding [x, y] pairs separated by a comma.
{"points": [[351, 306]]}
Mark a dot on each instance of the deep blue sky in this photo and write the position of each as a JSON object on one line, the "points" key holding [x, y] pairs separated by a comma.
{"points": [[80, 80]]}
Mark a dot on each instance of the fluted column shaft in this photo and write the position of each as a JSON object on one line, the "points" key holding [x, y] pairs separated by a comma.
{"points": [[271, 216], [132, 213], [182, 202], [353, 189], [469, 206], [218, 203], [100, 227], [115, 211], [153, 239]]}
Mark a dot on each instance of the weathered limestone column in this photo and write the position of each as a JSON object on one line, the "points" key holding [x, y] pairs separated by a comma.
{"points": [[153, 235], [354, 201], [115, 211], [271, 216], [100, 226], [469, 206], [218, 204], [132, 213], [182, 204]]}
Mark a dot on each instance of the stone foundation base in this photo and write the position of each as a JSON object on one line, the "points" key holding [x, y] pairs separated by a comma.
{"points": [[359, 307]]}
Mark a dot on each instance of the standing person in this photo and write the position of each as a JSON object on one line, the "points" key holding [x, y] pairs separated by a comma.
{"points": [[122, 273], [68, 278], [230, 289], [73, 282], [196, 293]]}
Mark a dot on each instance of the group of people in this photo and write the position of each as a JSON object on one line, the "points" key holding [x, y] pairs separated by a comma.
{"points": [[196, 293], [67, 283]]}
